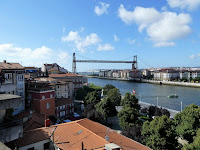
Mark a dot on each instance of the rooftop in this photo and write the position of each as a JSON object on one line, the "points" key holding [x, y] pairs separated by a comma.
{"points": [[65, 75], [71, 135], [6, 65], [8, 96]]}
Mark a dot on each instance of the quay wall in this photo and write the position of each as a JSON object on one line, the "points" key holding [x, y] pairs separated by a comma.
{"points": [[197, 85]]}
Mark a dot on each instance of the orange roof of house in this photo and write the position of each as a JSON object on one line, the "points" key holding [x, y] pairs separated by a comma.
{"points": [[7, 65], [114, 137], [64, 75], [71, 135]]}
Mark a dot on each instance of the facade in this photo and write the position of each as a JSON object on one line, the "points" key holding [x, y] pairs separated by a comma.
{"points": [[42, 98], [116, 74], [64, 107], [166, 75], [32, 71], [13, 81], [10, 129], [77, 79]]}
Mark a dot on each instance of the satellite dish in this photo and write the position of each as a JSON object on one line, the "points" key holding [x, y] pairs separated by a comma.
{"points": [[107, 138]]}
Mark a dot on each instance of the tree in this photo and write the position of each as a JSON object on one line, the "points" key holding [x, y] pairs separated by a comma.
{"points": [[134, 133], [160, 134], [165, 112], [115, 96], [91, 113], [131, 101], [195, 144], [107, 87], [129, 114], [128, 117], [92, 97], [80, 94], [106, 108], [187, 122]]}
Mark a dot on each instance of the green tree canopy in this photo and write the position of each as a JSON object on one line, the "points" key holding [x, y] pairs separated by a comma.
{"points": [[107, 87], [129, 114], [187, 122], [106, 108], [92, 97], [196, 143], [91, 113], [160, 134], [134, 133], [80, 94], [128, 117], [115, 96], [131, 101]]}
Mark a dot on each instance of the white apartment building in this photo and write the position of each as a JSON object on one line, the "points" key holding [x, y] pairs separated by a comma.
{"points": [[13, 81]]}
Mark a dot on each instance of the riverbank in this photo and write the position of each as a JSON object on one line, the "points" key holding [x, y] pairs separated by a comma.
{"points": [[197, 85]]}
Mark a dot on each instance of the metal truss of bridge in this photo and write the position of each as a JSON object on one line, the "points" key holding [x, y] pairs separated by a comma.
{"points": [[134, 62]]}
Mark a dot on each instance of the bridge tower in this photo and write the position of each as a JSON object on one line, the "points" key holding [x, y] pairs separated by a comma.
{"points": [[74, 64], [134, 64]]}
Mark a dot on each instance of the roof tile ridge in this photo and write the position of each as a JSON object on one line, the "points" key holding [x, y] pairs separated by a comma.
{"points": [[91, 131]]}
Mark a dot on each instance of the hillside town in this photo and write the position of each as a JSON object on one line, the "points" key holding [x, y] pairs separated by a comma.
{"points": [[37, 111]]}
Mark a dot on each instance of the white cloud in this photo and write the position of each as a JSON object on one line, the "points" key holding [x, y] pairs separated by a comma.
{"points": [[163, 44], [105, 47], [130, 41], [184, 4], [101, 9], [33, 57], [81, 43], [192, 56], [161, 27], [115, 38]]}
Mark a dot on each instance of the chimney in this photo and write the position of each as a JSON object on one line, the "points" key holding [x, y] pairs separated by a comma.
{"points": [[112, 146], [4, 61]]}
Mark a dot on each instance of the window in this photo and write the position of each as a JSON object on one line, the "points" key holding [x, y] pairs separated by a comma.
{"points": [[43, 97], [46, 146], [48, 106], [32, 148], [51, 95]]}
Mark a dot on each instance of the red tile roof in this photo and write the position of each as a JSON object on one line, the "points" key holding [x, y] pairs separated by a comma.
{"points": [[7, 65], [71, 135], [114, 137]]}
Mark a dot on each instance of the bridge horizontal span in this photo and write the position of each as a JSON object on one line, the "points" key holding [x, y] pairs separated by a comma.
{"points": [[103, 61]]}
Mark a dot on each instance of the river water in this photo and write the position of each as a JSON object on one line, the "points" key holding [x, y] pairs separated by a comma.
{"points": [[153, 93]]}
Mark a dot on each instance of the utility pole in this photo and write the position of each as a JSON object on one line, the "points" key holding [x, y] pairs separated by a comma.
{"points": [[181, 106], [157, 100]]}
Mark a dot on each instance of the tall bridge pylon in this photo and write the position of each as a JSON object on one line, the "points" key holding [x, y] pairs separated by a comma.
{"points": [[134, 62]]}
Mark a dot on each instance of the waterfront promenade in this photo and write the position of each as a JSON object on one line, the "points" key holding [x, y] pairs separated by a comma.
{"points": [[187, 84]]}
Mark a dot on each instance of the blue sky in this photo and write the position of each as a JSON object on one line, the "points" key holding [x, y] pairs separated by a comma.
{"points": [[162, 33]]}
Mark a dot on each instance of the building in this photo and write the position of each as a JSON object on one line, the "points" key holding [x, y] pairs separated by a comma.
{"points": [[166, 75], [53, 68], [76, 135], [64, 107], [12, 81], [41, 97], [10, 129], [32, 71], [62, 87], [77, 79]]}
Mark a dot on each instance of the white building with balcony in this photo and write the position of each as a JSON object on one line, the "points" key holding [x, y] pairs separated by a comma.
{"points": [[12, 81]]}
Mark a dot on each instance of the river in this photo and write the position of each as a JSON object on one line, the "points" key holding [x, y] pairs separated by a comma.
{"points": [[153, 93]]}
